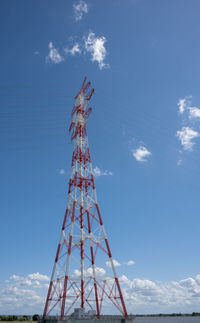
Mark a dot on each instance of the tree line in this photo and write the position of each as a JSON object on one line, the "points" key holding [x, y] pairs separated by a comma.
{"points": [[9, 318]]}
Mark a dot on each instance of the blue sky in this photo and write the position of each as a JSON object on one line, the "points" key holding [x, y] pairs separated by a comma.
{"points": [[142, 57]]}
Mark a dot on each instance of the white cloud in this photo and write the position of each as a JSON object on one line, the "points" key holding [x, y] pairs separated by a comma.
{"points": [[38, 276], [80, 8], [124, 280], [53, 56], [26, 282], [143, 284], [197, 278], [32, 280], [189, 283], [129, 263], [97, 172], [74, 50], [180, 296], [96, 47], [182, 105], [89, 43], [99, 272], [186, 135], [185, 105], [194, 112], [77, 273], [141, 154], [15, 277], [15, 300], [141, 295], [24, 294], [61, 171], [116, 263]]}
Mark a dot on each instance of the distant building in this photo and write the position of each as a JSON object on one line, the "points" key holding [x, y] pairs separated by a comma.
{"points": [[79, 313]]}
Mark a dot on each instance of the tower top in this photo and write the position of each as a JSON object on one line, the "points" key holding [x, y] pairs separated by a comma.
{"points": [[80, 113], [84, 90]]}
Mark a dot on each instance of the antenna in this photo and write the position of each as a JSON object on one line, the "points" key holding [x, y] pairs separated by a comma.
{"points": [[79, 275]]}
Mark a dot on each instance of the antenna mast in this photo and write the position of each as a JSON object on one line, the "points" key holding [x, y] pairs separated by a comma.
{"points": [[77, 277]]}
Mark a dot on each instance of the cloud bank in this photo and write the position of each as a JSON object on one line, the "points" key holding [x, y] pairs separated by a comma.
{"points": [[27, 294], [24, 295]]}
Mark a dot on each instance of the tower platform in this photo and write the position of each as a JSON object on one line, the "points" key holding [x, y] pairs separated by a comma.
{"points": [[102, 319]]}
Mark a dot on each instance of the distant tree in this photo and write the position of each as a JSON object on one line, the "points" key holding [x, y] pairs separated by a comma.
{"points": [[11, 318], [24, 318], [195, 314], [35, 317]]}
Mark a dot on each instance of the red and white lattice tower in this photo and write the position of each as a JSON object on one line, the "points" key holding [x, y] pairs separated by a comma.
{"points": [[78, 277]]}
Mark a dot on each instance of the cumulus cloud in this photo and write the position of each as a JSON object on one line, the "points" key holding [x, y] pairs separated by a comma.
{"points": [[129, 263], [32, 280], [15, 277], [141, 154], [185, 106], [15, 300], [96, 47], [186, 136], [175, 296], [124, 280], [99, 272], [182, 105], [74, 50], [116, 263], [189, 283], [38, 276], [97, 172], [144, 284], [88, 43], [80, 8], [53, 56], [141, 295], [190, 131], [23, 294], [194, 112]]}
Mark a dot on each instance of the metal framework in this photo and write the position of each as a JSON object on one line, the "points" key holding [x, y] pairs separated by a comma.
{"points": [[77, 277]]}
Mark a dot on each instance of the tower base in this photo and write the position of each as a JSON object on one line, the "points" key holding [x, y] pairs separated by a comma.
{"points": [[102, 319]]}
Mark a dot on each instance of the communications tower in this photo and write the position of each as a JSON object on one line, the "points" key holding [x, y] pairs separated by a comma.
{"points": [[78, 277]]}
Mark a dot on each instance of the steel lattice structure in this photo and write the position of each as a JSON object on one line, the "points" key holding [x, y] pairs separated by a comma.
{"points": [[83, 242]]}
